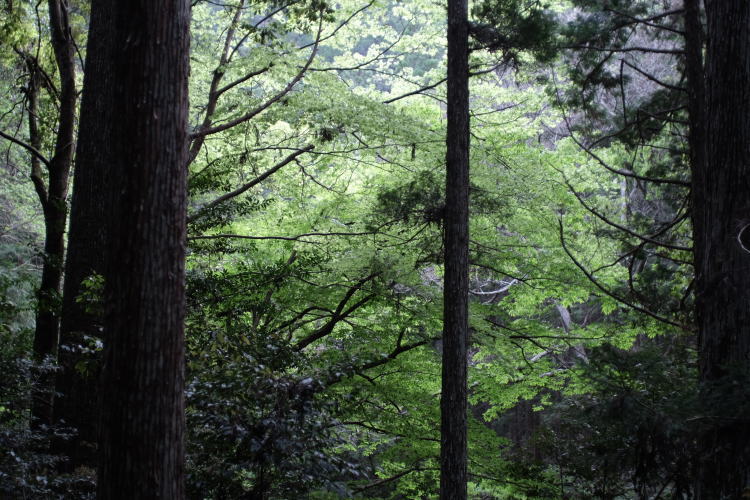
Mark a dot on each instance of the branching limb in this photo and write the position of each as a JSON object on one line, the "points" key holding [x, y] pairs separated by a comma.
{"points": [[613, 50], [337, 317], [284, 238], [27, 147], [650, 20], [606, 220], [245, 187], [377, 57], [269, 293], [415, 92], [368, 426], [218, 74], [625, 173], [653, 78], [202, 132], [611, 294], [341, 24], [392, 355], [395, 477], [340, 313]]}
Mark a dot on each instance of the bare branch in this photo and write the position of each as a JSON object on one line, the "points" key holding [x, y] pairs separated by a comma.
{"points": [[285, 238], [337, 317], [653, 78], [202, 132], [610, 293], [603, 218], [242, 79], [612, 50], [395, 477], [339, 314], [415, 92], [371, 427], [393, 354], [650, 20], [218, 74], [245, 187], [27, 147], [341, 24], [625, 173], [258, 23]]}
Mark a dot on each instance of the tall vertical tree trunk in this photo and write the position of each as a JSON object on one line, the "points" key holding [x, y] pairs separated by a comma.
{"points": [[76, 403], [722, 241], [142, 414], [55, 212], [695, 76], [453, 407]]}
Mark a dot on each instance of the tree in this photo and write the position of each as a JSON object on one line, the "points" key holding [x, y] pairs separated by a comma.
{"points": [[717, 138], [453, 405], [716, 143], [52, 187], [142, 414], [721, 200], [81, 322]]}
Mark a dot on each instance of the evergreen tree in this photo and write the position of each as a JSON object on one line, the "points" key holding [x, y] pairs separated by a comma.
{"points": [[453, 400], [721, 190], [142, 393]]}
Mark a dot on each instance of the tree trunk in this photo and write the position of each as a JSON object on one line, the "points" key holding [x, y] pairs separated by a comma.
{"points": [[142, 413], [453, 407], [55, 213], [722, 242], [77, 381]]}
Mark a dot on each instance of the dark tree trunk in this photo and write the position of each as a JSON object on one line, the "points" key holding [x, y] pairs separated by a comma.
{"points": [[453, 407], [77, 381], [722, 242], [142, 413], [694, 41], [55, 213]]}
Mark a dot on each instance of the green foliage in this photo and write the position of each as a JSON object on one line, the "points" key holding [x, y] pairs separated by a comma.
{"points": [[314, 297], [635, 428], [259, 430], [512, 26]]}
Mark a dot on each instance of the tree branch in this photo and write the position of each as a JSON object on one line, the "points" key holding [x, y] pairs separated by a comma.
{"points": [[625, 173], [611, 294], [339, 314], [202, 132], [653, 78], [27, 147], [392, 355], [415, 92], [245, 187], [381, 482], [612, 50], [603, 218], [285, 238]]}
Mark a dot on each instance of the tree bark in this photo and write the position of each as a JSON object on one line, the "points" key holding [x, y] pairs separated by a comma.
{"points": [[722, 242], [142, 413], [453, 406], [76, 402], [55, 214]]}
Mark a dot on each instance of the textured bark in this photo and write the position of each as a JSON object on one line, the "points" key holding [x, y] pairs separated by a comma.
{"points": [[694, 40], [76, 401], [142, 413], [453, 407], [722, 212], [55, 213], [722, 244]]}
